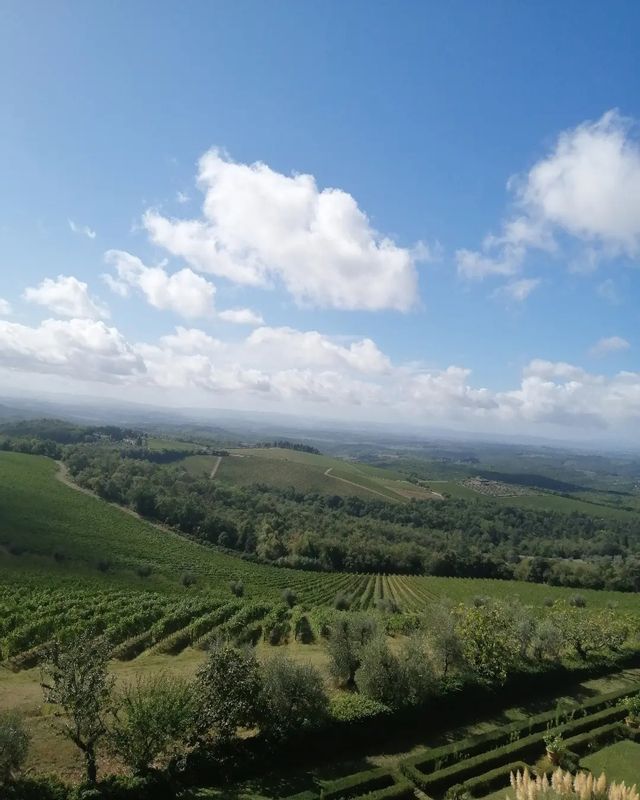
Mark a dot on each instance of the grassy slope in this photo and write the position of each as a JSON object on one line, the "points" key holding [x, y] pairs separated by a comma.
{"points": [[567, 505], [307, 472], [43, 515], [157, 443]]}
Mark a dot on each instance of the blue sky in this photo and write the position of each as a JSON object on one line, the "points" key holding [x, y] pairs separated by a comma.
{"points": [[476, 264]]}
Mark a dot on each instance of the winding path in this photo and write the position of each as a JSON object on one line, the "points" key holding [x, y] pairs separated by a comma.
{"points": [[216, 467]]}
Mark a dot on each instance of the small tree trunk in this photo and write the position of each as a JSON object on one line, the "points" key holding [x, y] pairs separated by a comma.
{"points": [[90, 761]]}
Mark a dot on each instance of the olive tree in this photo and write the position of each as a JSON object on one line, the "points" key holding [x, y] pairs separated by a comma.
{"points": [[14, 745], [75, 678], [489, 644], [379, 675], [229, 691], [349, 634], [443, 637], [294, 697], [154, 718]]}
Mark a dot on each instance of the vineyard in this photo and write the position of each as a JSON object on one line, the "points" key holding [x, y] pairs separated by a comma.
{"points": [[69, 560]]}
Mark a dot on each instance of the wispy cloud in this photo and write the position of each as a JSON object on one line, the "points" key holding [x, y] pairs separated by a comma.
{"points": [[82, 230], [607, 345]]}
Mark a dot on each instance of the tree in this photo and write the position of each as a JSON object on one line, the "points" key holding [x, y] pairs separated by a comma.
{"points": [[154, 718], [380, 675], [417, 672], [443, 637], [349, 634], [75, 678], [548, 641], [14, 745], [587, 632], [489, 645], [289, 597], [229, 691], [294, 697]]}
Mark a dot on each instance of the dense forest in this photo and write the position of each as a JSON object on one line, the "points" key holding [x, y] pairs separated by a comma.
{"points": [[457, 538]]}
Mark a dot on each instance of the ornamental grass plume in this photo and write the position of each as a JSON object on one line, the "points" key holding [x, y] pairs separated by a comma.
{"points": [[564, 786]]}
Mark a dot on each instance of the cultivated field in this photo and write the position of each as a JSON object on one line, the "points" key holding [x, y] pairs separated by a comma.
{"points": [[309, 472]]}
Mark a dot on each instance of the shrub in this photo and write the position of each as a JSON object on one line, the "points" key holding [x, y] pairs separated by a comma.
{"points": [[352, 707], [144, 570], [237, 588], [188, 580], [304, 631], [14, 745], [229, 691], [153, 720], [583, 786], [35, 789], [342, 601], [632, 706], [293, 697], [380, 675], [289, 597]]}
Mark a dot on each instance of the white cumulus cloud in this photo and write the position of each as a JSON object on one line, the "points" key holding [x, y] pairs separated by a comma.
{"points": [[241, 316], [260, 226], [311, 348], [5, 307], [586, 190], [81, 348], [66, 296], [183, 292]]}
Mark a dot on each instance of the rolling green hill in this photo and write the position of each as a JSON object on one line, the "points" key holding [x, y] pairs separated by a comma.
{"points": [[307, 472]]}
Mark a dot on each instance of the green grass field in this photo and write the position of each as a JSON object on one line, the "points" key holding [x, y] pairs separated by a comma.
{"points": [[158, 443], [567, 505], [309, 472], [619, 761]]}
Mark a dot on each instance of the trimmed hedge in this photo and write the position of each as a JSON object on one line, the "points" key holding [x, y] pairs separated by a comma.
{"points": [[498, 757], [374, 784], [600, 736], [440, 757], [358, 783], [493, 780]]}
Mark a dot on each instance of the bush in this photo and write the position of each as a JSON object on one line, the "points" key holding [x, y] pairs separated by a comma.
{"points": [[35, 789], [237, 588], [342, 601], [289, 597], [229, 691], [380, 675], [304, 631], [294, 698], [14, 745], [154, 717], [346, 707]]}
